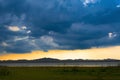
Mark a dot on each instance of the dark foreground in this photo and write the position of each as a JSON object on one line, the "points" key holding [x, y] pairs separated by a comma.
{"points": [[59, 73]]}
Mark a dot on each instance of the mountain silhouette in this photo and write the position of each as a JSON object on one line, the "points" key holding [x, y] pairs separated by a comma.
{"points": [[52, 60]]}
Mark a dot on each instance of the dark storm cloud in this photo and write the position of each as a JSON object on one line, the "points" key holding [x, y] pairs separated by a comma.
{"points": [[82, 36], [27, 25]]}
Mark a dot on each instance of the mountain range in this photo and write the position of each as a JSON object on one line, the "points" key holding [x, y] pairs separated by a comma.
{"points": [[52, 60]]}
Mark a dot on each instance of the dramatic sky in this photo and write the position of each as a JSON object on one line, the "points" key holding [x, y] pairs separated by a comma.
{"points": [[87, 29]]}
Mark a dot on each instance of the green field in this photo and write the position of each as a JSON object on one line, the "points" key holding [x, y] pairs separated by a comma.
{"points": [[59, 73]]}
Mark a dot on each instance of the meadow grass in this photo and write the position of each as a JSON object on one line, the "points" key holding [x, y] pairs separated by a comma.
{"points": [[59, 73]]}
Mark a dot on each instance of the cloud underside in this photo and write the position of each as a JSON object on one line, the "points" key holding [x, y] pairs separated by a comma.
{"points": [[29, 25]]}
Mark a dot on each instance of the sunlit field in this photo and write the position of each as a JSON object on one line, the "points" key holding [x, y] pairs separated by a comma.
{"points": [[59, 73]]}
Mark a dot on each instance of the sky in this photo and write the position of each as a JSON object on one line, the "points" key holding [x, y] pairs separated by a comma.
{"points": [[64, 29]]}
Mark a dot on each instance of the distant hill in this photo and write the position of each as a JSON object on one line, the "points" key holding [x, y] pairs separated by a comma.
{"points": [[51, 60]]}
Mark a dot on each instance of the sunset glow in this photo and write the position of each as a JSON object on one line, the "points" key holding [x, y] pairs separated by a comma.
{"points": [[62, 29], [94, 53]]}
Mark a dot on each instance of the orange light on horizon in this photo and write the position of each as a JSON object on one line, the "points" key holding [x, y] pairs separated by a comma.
{"points": [[93, 53]]}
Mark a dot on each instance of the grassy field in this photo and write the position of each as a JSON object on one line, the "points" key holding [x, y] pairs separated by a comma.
{"points": [[59, 73]]}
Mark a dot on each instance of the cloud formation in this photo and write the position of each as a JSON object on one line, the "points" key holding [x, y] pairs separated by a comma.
{"points": [[86, 2], [14, 28], [58, 24]]}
